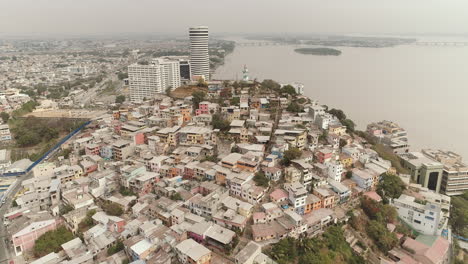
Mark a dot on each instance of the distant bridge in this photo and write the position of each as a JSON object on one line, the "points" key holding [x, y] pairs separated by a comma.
{"points": [[440, 43], [262, 43]]}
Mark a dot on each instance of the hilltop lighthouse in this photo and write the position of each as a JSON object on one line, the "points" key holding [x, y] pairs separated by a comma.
{"points": [[245, 74]]}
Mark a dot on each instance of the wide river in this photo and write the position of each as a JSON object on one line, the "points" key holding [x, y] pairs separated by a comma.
{"points": [[423, 88]]}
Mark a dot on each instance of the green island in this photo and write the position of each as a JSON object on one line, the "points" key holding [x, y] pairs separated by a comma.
{"points": [[319, 51]]}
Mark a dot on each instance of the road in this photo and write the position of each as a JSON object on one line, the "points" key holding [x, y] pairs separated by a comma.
{"points": [[95, 94], [4, 252]]}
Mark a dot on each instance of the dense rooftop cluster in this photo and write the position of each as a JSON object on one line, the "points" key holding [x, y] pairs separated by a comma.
{"points": [[219, 180]]}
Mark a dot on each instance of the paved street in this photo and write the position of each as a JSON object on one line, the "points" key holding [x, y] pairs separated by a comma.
{"points": [[4, 251]]}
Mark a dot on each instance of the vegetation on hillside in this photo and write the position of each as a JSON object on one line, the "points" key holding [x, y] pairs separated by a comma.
{"points": [[197, 98], [376, 225], [288, 89], [218, 122], [260, 179], [119, 246], [459, 214], [25, 108], [120, 99], [31, 131], [294, 107], [51, 241], [330, 248], [87, 222]]}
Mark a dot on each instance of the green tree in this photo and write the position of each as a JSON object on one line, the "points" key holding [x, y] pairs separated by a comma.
{"points": [[126, 191], [119, 246], [168, 90], [383, 238], [120, 99], [288, 89], [176, 197], [459, 214], [66, 209], [391, 186], [349, 174], [198, 97], [213, 158], [270, 85], [260, 179], [122, 75], [202, 83], [235, 101], [343, 142], [338, 113], [40, 89], [349, 124], [112, 208], [294, 107], [5, 116], [291, 154], [219, 123]]}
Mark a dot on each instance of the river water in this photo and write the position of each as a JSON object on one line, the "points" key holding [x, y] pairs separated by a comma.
{"points": [[423, 88]]}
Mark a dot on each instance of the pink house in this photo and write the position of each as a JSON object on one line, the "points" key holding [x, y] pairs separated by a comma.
{"points": [[203, 108], [279, 195], [139, 138], [92, 149], [88, 166], [324, 155], [26, 238]]}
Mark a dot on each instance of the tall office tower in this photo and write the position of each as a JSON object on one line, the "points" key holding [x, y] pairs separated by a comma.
{"points": [[199, 58], [147, 80]]}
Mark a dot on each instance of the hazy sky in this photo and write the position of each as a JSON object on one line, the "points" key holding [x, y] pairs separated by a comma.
{"points": [[234, 16]]}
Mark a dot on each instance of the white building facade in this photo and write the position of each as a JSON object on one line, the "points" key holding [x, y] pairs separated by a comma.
{"points": [[147, 80]]}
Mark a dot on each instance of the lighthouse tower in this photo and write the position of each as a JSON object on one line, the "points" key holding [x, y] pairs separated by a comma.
{"points": [[245, 74]]}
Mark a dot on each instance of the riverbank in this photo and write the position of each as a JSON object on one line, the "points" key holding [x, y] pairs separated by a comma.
{"points": [[384, 86]]}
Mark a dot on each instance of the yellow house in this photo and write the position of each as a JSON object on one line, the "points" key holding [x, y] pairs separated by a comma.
{"points": [[346, 160], [337, 129]]}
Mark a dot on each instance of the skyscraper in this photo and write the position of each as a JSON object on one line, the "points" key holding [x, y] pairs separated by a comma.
{"points": [[199, 58]]}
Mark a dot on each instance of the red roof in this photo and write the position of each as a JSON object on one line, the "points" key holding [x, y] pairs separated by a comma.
{"points": [[278, 194], [374, 196]]}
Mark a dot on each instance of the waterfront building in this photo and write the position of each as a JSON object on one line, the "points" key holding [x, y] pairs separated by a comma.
{"points": [[390, 134], [199, 57], [455, 171], [423, 170]]}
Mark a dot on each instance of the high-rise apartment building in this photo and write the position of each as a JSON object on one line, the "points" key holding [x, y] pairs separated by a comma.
{"points": [[199, 58], [455, 171], [184, 62], [170, 72], [147, 80]]}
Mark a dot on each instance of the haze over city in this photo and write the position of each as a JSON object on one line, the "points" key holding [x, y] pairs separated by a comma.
{"points": [[233, 132], [70, 17]]}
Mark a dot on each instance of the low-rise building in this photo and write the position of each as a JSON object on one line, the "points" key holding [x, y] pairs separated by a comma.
{"points": [[192, 252], [426, 218]]}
